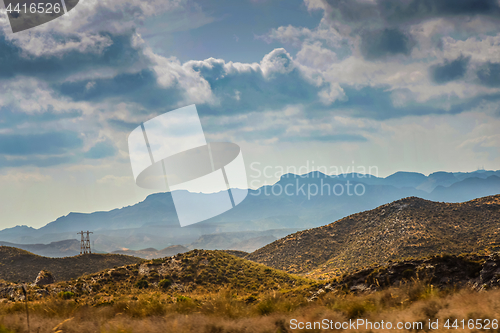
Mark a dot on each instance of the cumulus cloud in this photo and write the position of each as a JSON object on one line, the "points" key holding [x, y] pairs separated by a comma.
{"points": [[81, 29], [389, 26], [277, 62], [117, 54], [365, 59], [316, 56]]}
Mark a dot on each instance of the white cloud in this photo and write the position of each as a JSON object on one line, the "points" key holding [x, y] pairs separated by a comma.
{"points": [[43, 44], [315, 4], [33, 96], [296, 36], [82, 28], [170, 72], [316, 56], [277, 61]]}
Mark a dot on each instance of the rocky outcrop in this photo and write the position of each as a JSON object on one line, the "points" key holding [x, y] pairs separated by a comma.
{"points": [[442, 271], [43, 278]]}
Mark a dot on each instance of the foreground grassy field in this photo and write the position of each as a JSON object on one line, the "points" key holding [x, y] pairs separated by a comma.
{"points": [[216, 292], [227, 312]]}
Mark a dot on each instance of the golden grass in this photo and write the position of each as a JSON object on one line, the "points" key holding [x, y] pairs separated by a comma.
{"points": [[227, 312]]}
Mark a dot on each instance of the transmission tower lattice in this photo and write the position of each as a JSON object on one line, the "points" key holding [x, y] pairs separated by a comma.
{"points": [[85, 242]]}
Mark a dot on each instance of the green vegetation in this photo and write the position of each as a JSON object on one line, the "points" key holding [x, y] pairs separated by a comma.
{"points": [[4, 330], [66, 294], [197, 270], [141, 284], [165, 283]]}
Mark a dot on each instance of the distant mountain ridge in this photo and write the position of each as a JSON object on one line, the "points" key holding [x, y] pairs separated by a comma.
{"points": [[152, 253], [153, 222], [64, 248]]}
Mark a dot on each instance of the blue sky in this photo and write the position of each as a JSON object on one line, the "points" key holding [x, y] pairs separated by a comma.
{"points": [[409, 85]]}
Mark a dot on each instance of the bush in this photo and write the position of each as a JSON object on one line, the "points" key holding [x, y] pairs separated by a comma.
{"points": [[165, 283], [408, 273], [66, 294], [142, 284], [5, 330], [251, 299], [266, 307], [182, 298], [186, 305]]}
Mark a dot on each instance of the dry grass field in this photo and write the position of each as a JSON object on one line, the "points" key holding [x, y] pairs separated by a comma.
{"points": [[227, 312]]}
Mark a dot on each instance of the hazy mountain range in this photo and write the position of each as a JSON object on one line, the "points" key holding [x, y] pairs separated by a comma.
{"points": [[267, 213]]}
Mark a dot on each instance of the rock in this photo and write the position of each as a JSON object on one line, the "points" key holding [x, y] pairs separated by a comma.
{"points": [[491, 270], [43, 278], [42, 293], [144, 269], [360, 287], [8, 292]]}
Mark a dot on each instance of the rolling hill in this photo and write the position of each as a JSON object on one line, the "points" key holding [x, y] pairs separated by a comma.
{"points": [[24, 266], [410, 227], [152, 253], [241, 241], [200, 270], [268, 210]]}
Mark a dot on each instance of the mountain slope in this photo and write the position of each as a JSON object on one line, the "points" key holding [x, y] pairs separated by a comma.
{"points": [[153, 222], [410, 227], [64, 248], [17, 264], [199, 270]]}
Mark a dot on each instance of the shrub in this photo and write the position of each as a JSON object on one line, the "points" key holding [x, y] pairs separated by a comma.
{"points": [[141, 284], [355, 310], [185, 305], [5, 330], [66, 294], [165, 283], [153, 274], [408, 273], [182, 298], [266, 307], [251, 299]]}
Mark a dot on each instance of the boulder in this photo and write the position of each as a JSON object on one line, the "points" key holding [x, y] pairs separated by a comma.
{"points": [[43, 278]]}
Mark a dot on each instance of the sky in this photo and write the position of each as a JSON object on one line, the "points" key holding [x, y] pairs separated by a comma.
{"points": [[409, 85]]}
